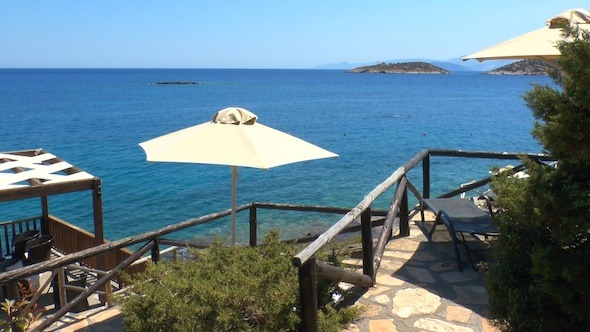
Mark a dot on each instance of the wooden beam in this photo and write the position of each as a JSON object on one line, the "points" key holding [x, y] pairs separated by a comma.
{"points": [[489, 155], [299, 207], [32, 182], [98, 284], [333, 231], [338, 274], [105, 247], [388, 225], [476, 184], [45, 190]]}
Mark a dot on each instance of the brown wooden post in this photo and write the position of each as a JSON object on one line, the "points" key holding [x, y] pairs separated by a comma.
{"points": [[156, 250], [98, 229], [109, 294], [426, 177], [404, 215], [61, 281], [44, 215], [308, 296], [367, 242], [175, 255], [253, 226], [97, 207]]}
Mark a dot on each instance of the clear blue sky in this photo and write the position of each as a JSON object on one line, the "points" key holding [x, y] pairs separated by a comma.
{"points": [[255, 33]]}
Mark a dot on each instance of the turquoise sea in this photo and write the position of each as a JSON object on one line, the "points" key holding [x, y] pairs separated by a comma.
{"points": [[95, 119]]}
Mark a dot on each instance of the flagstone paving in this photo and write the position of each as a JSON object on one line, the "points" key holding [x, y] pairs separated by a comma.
{"points": [[419, 288]]}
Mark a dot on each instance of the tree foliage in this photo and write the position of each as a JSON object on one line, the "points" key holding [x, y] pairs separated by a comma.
{"points": [[543, 253], [224, 288]]}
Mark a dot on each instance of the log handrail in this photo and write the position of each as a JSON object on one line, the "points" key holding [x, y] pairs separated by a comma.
{"points": [[103, 248], [367, 201], [423, 155], [309, 267], [387, 229]]}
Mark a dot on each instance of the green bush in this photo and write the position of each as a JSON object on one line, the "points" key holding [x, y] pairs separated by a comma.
{"points": [[225, 288], [538, 282]]}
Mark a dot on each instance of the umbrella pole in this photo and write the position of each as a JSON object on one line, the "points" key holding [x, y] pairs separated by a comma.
{"points": [[234, 176]]}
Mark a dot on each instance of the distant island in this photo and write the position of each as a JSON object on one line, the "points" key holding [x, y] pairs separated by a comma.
{"points": [[401, 68], [523, 67]]}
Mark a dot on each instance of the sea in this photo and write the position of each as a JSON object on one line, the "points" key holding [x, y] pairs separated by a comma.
{"points": [[95, 119]]}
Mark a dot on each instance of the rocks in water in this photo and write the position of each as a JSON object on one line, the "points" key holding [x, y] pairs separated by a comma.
{"points": [[174, 83]]}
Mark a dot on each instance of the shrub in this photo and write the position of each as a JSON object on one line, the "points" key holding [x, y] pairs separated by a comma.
{"points": [[543, 253], [17, 316], [225, 288]]}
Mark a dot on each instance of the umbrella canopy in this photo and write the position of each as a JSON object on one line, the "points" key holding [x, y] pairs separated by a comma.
{"points": [[234, 138], [539, 44]]}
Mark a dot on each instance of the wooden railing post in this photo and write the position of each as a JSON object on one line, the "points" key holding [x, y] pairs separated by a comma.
{"points": [[367, 242], [61, 281], [44, 215], [308, 296], [253, 226], [426, 177], [109, 294], [175, 255], [156, 250], [404, 215]]}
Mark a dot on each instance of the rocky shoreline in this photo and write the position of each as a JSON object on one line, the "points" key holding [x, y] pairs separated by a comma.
{"points": [[523, 67]]}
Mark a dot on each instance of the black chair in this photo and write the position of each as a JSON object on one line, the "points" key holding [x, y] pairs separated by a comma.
{"points": [[20, 240], [22, 243], [38, 250]]}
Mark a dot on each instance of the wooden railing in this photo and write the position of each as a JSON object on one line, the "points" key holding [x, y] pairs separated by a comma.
{"points": [[8, 229], [68, 238], [396, 220]]}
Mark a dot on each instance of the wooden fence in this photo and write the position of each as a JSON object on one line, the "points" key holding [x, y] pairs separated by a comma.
{"points": [[396, 220], [8, 229]]}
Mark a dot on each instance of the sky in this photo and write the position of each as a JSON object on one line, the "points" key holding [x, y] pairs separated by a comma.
{"points": [[257, 33]]}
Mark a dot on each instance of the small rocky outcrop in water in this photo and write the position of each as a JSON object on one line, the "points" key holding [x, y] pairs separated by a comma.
{"points": [[174, 83], [401, 68], [523, 67]]}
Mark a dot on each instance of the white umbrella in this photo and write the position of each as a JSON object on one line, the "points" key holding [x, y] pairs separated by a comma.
{"points": [[232, 137], [538, 44]]}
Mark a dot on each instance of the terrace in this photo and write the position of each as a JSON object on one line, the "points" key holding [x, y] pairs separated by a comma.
{"points": [[394, 261]]}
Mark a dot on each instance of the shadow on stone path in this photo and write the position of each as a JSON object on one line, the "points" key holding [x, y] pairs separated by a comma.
{"points": [[419, 288]]}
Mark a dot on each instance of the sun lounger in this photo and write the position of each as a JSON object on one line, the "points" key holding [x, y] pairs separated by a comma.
{"points": [[459, 216]]}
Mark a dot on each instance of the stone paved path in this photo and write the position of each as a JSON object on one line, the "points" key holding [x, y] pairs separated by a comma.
{"points": [[419, 288]]}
